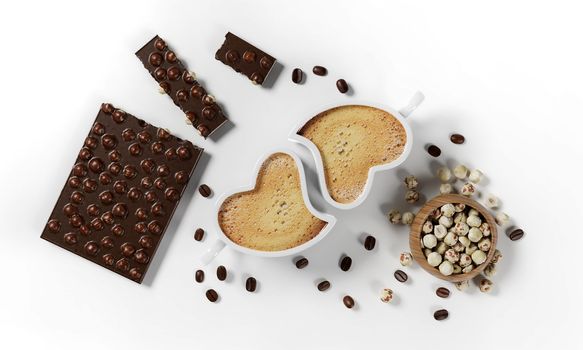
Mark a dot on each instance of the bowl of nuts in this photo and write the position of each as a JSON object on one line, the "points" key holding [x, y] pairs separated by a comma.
{"points": [[453, 237]]}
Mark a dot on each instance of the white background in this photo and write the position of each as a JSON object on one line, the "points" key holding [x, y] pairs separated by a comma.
{"points": [[508, 75]]}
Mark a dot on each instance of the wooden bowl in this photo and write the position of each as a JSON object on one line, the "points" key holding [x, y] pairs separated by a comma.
{"points": [[421, 217]]}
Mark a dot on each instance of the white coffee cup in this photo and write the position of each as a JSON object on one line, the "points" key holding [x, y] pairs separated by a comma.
{"points": [[224, 241], [401, 116]]}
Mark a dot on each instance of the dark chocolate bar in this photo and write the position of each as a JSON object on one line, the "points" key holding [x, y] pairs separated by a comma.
{"points": [[186, 92], [245, 58], [122, 191]]}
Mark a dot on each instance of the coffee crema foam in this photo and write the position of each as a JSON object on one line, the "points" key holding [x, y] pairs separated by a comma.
{"points": [[351, 140], [272, 216]]}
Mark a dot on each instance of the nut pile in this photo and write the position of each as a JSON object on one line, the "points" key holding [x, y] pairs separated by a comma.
{"points": [[455, 239]]}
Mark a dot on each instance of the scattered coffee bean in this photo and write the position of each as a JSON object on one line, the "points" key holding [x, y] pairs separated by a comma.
{"points": [[342, 85], [297, 75], [401, 276], [458, 139], [434, 151], [212, 295], [204, 190], [319, 70], [516, 234], [221, 273], [324, 285], [251, 284], [370, 242], [345, 263], [348, 301], [301, 263], [442, 292], [441, 314], [199, 276], [199, 234]]}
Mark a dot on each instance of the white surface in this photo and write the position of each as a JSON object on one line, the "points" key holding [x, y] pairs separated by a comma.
{"points": [[506, 74]]}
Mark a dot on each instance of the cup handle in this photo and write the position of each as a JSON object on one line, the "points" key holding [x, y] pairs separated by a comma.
{"points": [[413, 104], [212, 252]]}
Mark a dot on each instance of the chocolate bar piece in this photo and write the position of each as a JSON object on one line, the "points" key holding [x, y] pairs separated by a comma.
{"points": [[186, 92], [245, 58], [121, 193]]}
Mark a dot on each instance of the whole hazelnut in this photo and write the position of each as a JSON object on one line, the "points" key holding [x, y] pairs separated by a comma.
{"points": [[406, 259], [468, 189], [460, 171], [446, 188], [490, 270], [475, 176], [446, 268], [474, 221], [411, 182], [448, 210], [386, 295], [441, 248], [465, 260], [394, 216], [460, 217], [450, 239], [491, 201], [478, 257], [485, 244], [444, 174], [475, 235], [497, 257], [446, 221], [407, 218], [462, 285], [411, 196], [502, 219], [451, 255], [434, 259], [465, 241], [486, 285], [429, 241], [427, 227], [440, 231], [471, 248]]}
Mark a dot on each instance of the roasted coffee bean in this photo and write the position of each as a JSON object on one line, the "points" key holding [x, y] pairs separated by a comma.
{"points": [[297, 75], [204, 190], [348, 301], [251, 284], [370, 242], [442, 292], [319, 70], [301, 263], [345, 263], [434, 151], [199, 276], [324, 285], [458, 139], [221, 273], [342, 85], [441, 314], [516, 234], [212, 295], [401, 276], [199, 234]]}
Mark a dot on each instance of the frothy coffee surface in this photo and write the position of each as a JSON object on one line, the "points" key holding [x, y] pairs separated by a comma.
{"points": [[272, 216], [351, 140]]}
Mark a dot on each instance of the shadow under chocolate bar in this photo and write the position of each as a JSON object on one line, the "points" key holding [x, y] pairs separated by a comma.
{"points": [[245, 58], [121, 193], [185, 91]]}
